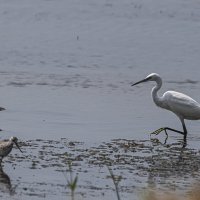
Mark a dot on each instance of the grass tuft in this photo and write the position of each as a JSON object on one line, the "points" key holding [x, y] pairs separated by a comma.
{"points": [[116, 180], [72, 181]]}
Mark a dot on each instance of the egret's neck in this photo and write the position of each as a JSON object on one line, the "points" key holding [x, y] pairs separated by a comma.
{"points": [[154, 92]]}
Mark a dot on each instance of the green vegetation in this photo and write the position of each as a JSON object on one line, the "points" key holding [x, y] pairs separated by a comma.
{"points": [[72, 181]]}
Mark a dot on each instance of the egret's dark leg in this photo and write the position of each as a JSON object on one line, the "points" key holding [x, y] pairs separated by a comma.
{"points": [[184, 129], [156, 132], [184, 132]]}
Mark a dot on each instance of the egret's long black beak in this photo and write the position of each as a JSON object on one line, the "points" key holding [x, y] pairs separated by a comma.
{"points": [[18, 146], [144, 80]]}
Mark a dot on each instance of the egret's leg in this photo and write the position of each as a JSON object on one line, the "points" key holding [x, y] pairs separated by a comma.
{"points": [[184, 132], [165, 129], [177, 131], [184, 128]]}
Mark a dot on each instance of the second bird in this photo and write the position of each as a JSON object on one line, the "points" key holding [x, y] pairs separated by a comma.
{"points": [[6, 147]]}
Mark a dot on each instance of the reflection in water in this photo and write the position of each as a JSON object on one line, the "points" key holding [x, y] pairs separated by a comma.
{"points": [[5, 183], [156, 141], [184, 141], [172, 164]]}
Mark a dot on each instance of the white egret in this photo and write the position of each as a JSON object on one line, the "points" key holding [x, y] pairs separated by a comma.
{"points": [[182, 105]]}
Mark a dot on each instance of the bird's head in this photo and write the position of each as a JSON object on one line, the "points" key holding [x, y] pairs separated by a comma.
{"points": [[15, 140], [150, 77]]}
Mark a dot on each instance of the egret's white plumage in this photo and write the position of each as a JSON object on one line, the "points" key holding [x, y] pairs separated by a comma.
{"points": [[182, 105]]}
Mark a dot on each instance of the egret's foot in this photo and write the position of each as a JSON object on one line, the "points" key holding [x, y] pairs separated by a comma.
{"points": [[156, 132]]}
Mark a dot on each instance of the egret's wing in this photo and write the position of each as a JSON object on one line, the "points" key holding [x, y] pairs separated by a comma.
{"points": [[182, 105]]}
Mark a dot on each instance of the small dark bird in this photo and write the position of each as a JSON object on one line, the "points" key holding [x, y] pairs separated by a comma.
{"points": [[6, 147], [1, 108]]}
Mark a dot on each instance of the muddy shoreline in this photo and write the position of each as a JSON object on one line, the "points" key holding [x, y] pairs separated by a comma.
{"points": [[140, 164]]}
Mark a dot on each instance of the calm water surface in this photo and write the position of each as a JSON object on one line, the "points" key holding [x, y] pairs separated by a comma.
{"points": [[65, 82]]}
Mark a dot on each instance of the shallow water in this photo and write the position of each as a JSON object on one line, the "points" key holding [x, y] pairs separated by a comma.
{"points": [[65, 83], [42, 170]]}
